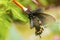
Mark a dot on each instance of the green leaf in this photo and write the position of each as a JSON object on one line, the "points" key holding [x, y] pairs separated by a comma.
{"points": [[5, 20]]}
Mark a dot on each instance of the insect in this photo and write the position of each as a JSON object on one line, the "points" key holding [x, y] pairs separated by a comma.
{"points": [[37, 18]]}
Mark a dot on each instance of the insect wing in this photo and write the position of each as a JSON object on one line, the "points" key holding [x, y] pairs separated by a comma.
{"points": [[45, 18]]}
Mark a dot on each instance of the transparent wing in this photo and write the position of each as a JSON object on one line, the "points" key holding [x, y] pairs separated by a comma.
{"points": [[45, 18]]}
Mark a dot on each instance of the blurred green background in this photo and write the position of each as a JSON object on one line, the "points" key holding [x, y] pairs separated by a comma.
{"points": [[14, 23]]}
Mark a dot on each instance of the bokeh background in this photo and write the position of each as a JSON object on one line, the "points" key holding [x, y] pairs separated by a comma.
{"points": [[14, 23]]}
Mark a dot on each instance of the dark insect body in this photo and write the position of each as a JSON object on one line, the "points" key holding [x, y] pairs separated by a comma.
{"points": [[39, 19]]}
